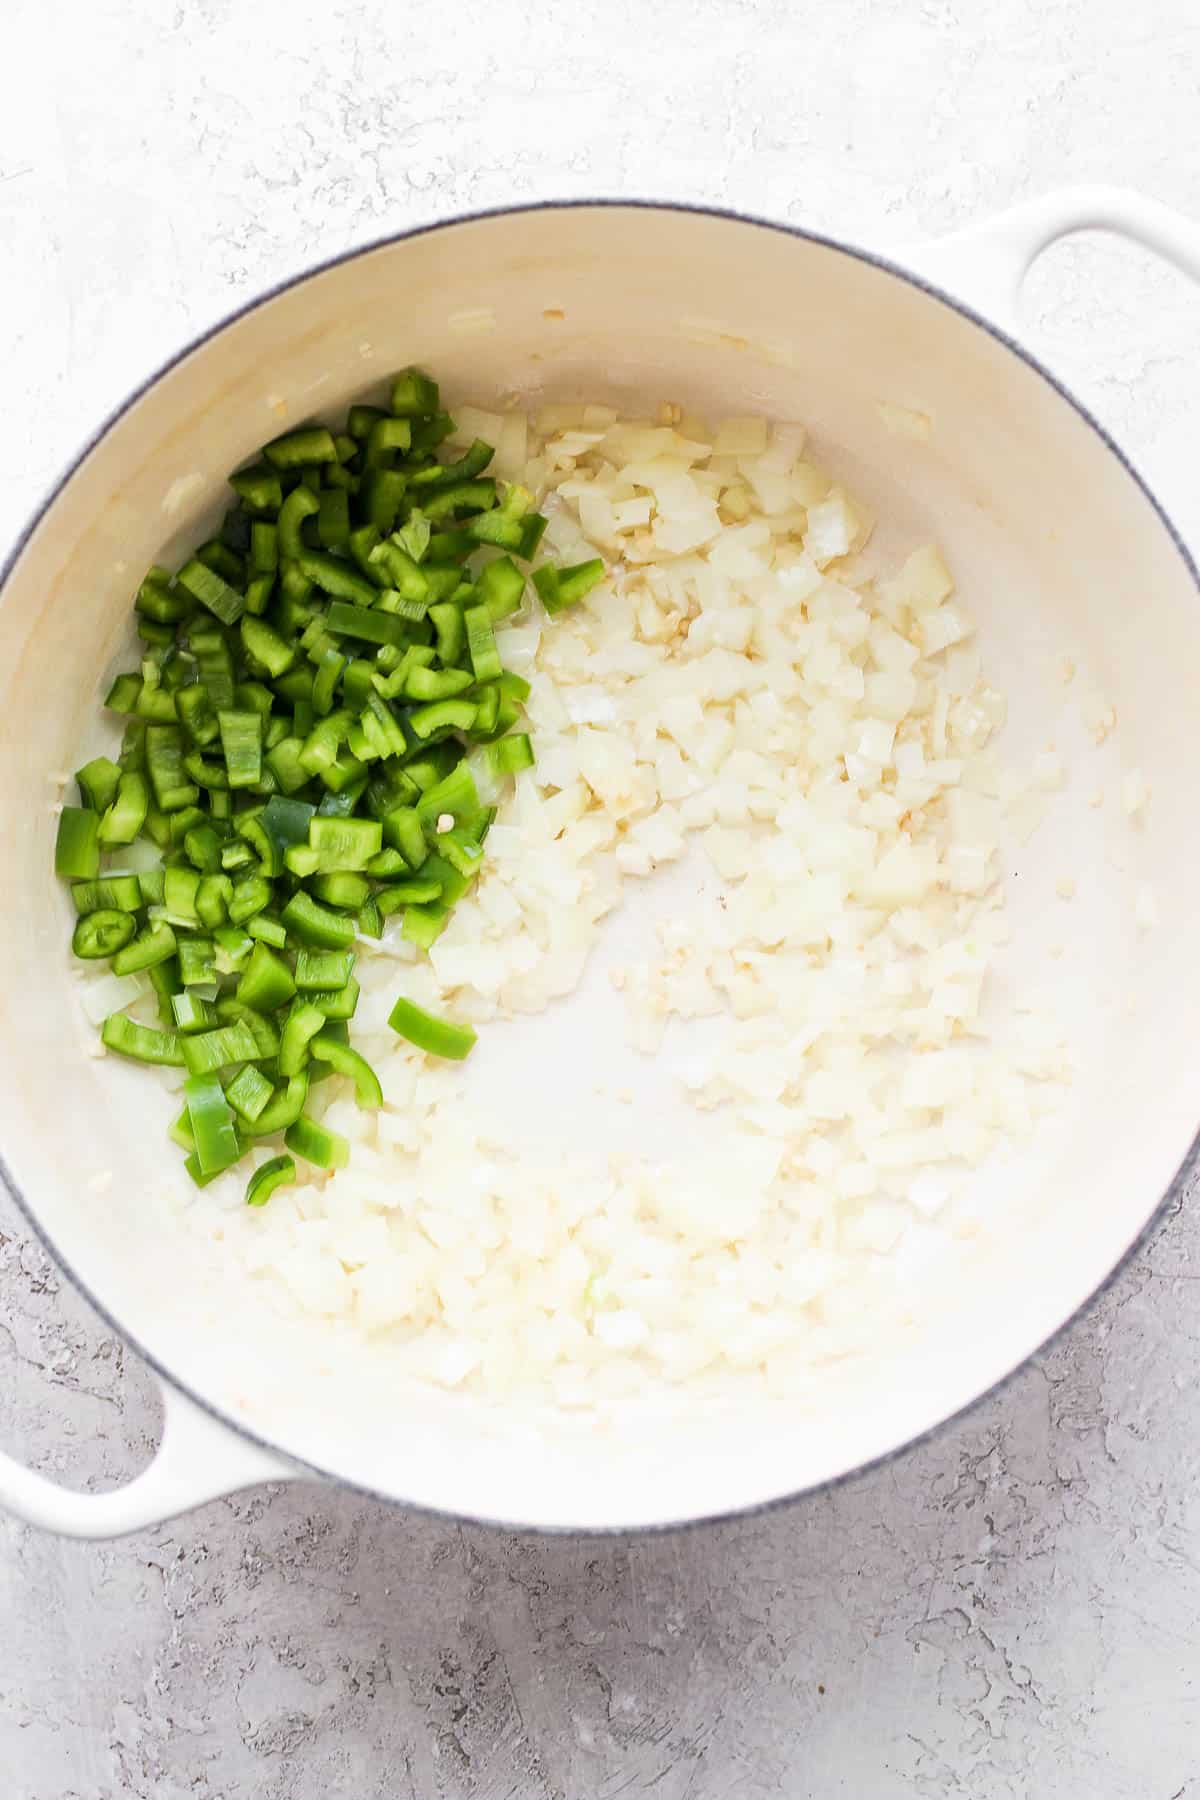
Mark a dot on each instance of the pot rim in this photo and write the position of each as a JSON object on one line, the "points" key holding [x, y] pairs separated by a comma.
{"points": [[1171, 1197]]}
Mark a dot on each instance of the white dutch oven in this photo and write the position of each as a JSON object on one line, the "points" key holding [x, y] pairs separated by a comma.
{"points": [[1058, 547]]}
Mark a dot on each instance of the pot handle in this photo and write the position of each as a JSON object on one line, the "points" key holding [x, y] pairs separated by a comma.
{"points": [[986, 263], [198, 1459]]}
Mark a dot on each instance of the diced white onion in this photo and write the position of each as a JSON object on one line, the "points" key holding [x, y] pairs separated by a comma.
{"points": [[739, 689]]}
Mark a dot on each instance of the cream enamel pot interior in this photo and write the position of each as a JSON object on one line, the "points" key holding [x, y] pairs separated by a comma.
{"points": [[1058, 548]]}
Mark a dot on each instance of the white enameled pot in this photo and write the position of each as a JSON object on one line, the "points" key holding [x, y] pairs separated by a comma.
{"points": [[1058, 548]]}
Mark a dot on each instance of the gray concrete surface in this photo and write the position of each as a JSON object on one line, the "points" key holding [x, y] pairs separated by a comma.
{"points": [[1010, 1611]]}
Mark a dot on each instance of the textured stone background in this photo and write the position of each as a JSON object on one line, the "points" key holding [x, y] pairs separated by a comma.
{"points": [[1011, 1611]]}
